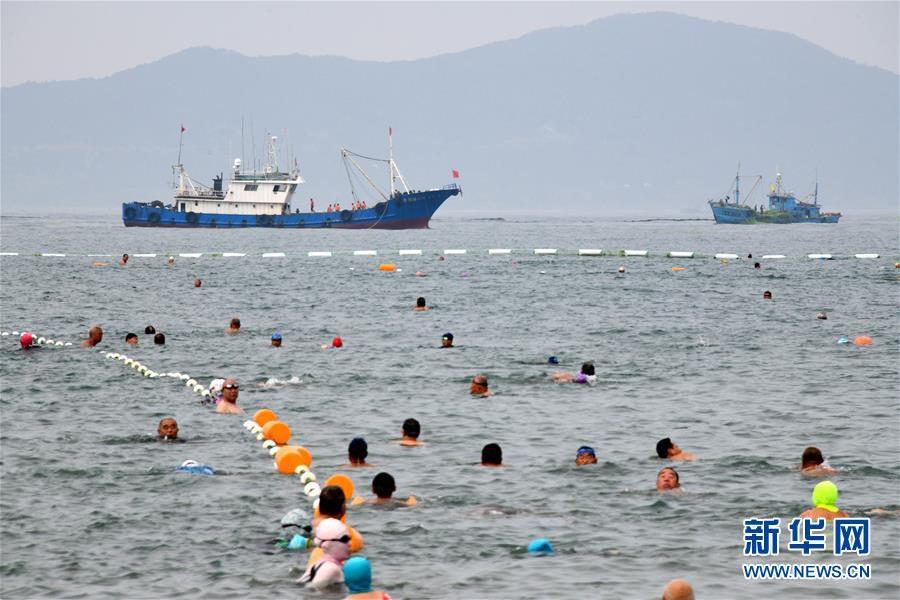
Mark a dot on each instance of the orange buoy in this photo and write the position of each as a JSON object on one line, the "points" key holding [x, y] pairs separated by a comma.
{"points": [[863, 340], [678, 268], [356, 540], [277, 431], [387, 267], [263, 416], [343, 482], [288, 458]]}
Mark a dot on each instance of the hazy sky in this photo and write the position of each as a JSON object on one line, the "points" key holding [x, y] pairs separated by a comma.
{"points": [[44, 41]]}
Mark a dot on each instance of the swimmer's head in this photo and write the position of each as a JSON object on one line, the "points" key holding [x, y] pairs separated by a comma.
{"points": [[95, 335], [585, 456], [337, 342], [26, 339], [332, 502], [663, 446], [479, 385], [491, 455], [667, 479], [588, 368], [383, 485], [447, 340], [230, 390], [825, 495], [411, 428], [159, 339], [420, 302], [334, 538], [756, 265], [621, 269], [812, 457], [235, 324], [767, 295], [358, 575], [822, 316], [131, 339], [358, 450], [276, 339], [168, 428], [552, 360], [197, 283], [298, 518]]}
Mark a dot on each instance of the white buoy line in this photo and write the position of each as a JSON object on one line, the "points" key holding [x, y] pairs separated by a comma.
{"points": [[307, 478], [594, 252]]}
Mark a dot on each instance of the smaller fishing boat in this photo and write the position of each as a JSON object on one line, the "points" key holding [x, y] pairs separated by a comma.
{"points": [[783, 206]]}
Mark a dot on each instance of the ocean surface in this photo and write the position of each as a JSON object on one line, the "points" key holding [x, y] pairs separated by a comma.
{"points": [[92, 506]]}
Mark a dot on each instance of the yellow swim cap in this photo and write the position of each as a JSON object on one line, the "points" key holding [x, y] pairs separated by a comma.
{"points": [[825, 495]]}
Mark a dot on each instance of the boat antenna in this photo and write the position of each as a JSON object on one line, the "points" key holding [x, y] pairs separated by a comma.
{"points": [[180, 142], [391, 157], [737, 185], [816, 191]]}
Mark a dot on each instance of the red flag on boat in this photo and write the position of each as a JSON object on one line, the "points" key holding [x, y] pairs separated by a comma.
{"points": [[455, 174]]}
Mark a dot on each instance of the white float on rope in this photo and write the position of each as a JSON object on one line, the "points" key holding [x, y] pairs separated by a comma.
{"points": [[320, 254], [455, 251], [365, 253], [677, 254], [726, 256], [273, 255], [590, 252], [410, 253], [634, 253], [541, 251], [499, 251], [866, 255]]}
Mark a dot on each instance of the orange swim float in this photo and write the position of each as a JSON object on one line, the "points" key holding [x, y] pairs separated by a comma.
{"points": [[863, 340], [263, 416], [277, 431]]}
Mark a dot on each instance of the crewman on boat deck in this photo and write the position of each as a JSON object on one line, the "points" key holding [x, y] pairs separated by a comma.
{"points": [[312, 205], [329, 209]]}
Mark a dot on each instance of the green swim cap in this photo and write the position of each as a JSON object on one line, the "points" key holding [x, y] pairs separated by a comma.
{"points": [[825, 495]]}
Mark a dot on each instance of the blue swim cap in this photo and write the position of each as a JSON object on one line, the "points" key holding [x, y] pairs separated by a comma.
{"points": [[358, 575], [276, 336], [586, 450], [552, 361], [540, 546], [195, 468]]}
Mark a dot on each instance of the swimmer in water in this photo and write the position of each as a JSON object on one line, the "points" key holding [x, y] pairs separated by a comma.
{"points": [[131, 339], [492, 456], [585, 456], [357, 452], [333, 537], [822, 316], [124, 260], [813, 464], [479, 387], [678, 589], [168, 429], [447, 340], [666, 448], [767, 295], [336, 342], [358, 578], [420, 304], [824, 498], [756, 265], [332, 504], [621, 269], [383, 486], [234, 326], [149, 330], [276, 340], [411, 430], [170, 261], [197, 283], [667, 480], [228, 404], [159, 339], [95, 336], [587, 375]]}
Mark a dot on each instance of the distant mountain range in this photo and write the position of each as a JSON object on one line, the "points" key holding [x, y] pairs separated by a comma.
{"points": [[646, 113]]}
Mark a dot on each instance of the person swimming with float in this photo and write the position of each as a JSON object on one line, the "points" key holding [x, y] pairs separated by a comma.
{"points": [[586, 375], [26, 341], [336, 342], [813, 464], [333, 537], [824, 499], [384, 486], [358, 578]]}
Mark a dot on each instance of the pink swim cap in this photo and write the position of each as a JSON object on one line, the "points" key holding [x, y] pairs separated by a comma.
{"points": [[337, 342], [331, 530], [26, 339]]}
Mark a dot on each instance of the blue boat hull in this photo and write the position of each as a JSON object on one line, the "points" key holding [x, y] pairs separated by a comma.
{"points": [[745, 215], [411, 210]]}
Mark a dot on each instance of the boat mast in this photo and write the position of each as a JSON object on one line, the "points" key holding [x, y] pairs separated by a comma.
{"points": [[737, 186], [816, 190], [391, 157]]}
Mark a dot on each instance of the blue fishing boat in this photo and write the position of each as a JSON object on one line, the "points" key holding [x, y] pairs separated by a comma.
{"points": [[783, 206], [263, 199]]}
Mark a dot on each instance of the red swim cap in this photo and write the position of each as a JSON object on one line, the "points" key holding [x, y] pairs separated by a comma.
{"points": [[26, 339], [337, 342]]}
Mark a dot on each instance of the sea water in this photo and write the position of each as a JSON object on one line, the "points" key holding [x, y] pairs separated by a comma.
{"points": [[92, 506]]}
